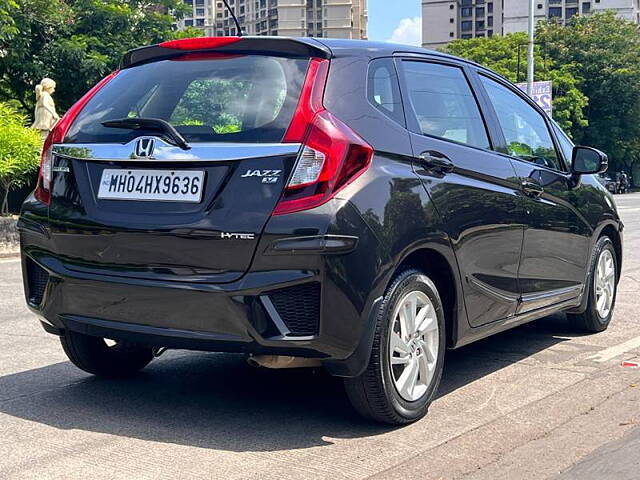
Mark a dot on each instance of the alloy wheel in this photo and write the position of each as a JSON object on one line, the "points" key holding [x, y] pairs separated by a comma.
{"points": [[413, 345], [604, 283]]}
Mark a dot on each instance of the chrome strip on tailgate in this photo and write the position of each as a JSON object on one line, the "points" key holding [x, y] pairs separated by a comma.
{"points": [[165, 152]]}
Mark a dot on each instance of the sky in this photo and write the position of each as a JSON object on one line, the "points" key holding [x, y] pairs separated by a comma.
{"points": [[395, 20]]}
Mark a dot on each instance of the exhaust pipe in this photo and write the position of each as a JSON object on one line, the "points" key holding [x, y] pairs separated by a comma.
{"points": [[282, 361]]}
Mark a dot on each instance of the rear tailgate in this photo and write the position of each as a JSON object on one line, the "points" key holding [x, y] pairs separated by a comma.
{"points": [[211, 240], [132, 203]]}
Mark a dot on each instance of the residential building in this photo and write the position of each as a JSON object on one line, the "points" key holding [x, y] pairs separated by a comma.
{"points": [[516, 12], [202, 14], [295, 18], [446, 20]]}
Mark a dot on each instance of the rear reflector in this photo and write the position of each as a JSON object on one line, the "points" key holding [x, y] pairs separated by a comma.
{"points": [[199, 43], [333, 155], [56, 135]]}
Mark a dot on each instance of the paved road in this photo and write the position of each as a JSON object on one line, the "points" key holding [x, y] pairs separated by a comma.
{"points": [[536, 402], [618, 460]]}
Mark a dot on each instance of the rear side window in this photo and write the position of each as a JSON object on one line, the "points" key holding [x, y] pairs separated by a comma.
{"points": [[383, 90], [239, 98], [444, 104]]}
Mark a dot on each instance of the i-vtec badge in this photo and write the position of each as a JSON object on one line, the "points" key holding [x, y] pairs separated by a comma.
{"points": [[238, 236], [268, 176]]}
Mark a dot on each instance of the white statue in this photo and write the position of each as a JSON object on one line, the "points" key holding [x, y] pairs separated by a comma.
{"points": [[46, 116]]}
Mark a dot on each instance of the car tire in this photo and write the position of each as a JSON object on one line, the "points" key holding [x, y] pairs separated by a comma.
{"points": [[381, 393], [602, 288], [94, 355]]}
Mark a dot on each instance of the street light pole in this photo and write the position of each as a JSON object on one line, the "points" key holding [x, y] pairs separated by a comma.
{"points": [[530, 71]]}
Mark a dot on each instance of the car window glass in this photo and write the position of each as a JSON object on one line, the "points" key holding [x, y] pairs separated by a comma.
{"points": [[566, 145], [225, 98], [383, 90], [201, 104], [444, 104], [524, 128], [138, 108]]}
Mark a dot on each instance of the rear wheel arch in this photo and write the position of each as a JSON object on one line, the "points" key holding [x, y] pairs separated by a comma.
{"points": [[387, 394], [438, 268]]}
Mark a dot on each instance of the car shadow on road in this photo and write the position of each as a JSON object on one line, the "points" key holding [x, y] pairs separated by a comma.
{"points": [[217, 401]]}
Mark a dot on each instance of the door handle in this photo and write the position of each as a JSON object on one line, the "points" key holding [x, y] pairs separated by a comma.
{"points": [[532, 189], [436, 161]]}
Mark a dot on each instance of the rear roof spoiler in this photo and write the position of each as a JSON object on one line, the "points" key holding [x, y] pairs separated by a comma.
{"points": [[290, 47]]}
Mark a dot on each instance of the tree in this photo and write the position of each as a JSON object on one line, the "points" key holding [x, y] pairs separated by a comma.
{"points": [[7, 26], [603, 53], [19, 152], [500, 53], [23, 62], [77, 42]]}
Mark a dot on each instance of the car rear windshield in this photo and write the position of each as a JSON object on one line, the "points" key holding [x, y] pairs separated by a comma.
{"points": [[239, 98]]}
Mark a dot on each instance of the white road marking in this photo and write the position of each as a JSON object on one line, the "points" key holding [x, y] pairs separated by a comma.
{"points": [[612, 352]]}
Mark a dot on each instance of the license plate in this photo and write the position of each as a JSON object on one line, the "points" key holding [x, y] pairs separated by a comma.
{"points": [[159, 185]]}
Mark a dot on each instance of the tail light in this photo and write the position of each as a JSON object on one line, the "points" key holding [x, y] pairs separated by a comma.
{"points": [[56, 135], [332, 155]]}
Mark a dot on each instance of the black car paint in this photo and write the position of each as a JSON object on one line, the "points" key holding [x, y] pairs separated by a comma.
{"points": [[397, 209], [180, 237]]}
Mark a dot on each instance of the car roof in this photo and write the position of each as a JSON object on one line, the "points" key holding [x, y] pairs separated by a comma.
{"points": [[313, 46], [340, 46]]}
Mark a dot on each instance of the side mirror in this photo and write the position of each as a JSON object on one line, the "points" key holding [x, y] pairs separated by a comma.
{"points": [[587, 160]]}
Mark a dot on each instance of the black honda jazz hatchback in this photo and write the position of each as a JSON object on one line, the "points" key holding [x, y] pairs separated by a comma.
{"points": [[355, 205]]}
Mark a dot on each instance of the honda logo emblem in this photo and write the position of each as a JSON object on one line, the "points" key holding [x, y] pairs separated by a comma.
{"points": [[145, 147]]}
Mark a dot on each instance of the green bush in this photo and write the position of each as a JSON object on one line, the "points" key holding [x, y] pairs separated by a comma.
{"points": [[19, 152]]}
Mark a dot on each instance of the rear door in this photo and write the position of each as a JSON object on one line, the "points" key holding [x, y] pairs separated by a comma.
{"points": [[133, 203], [474, 189]]}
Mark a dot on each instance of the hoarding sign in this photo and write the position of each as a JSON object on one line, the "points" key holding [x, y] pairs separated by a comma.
{"points": [[541, 94]]}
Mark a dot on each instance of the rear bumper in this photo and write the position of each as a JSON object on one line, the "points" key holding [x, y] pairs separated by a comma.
{"points": [[241, 316], [300, 266]]}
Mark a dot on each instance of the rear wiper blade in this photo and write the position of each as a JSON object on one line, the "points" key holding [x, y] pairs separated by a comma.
{"points": [[137, 123]]}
